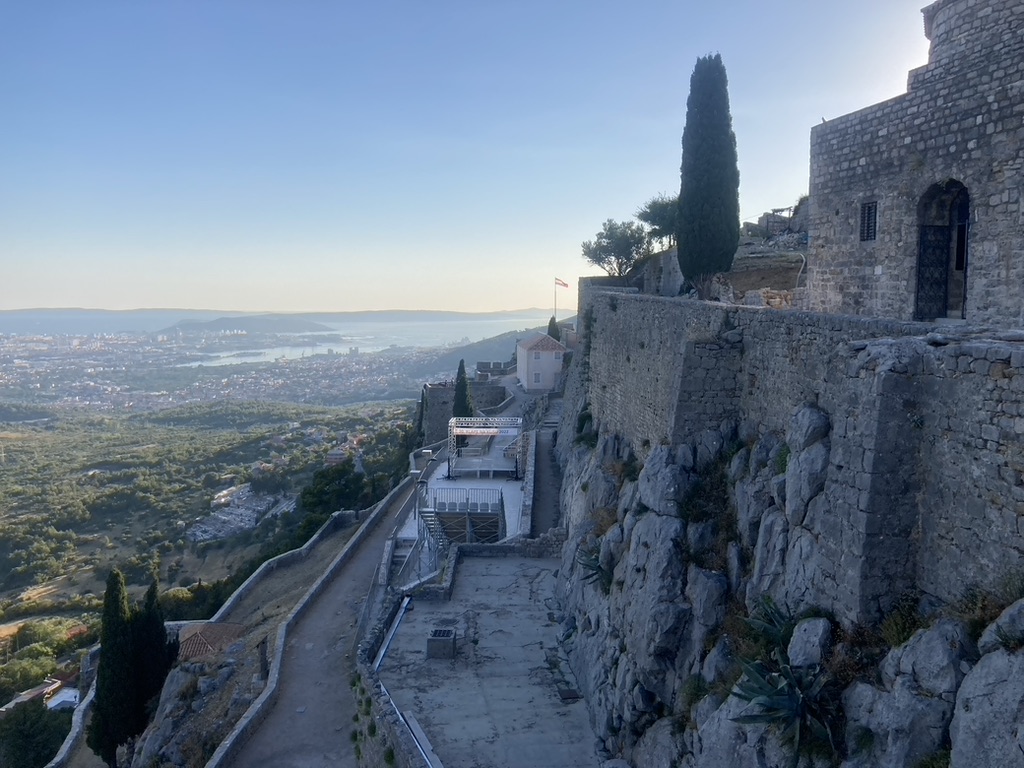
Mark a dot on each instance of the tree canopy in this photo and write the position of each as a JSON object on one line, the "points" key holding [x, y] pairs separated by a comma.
{"points": [[708, 216], [31, 735], [617, 247], [553, 330], [660, 214]]}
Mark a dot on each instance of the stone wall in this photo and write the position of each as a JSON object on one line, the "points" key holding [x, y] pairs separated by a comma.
{"points": [[960, 123], [922, 483], [439, 399]]}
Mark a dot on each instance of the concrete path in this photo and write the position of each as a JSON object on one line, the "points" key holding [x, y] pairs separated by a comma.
{"points": [[310, 723], [547, 484]]}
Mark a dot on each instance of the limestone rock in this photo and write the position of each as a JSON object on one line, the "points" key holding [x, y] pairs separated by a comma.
{"points": [[988, 727], [718, 662], [908, 718], [662, 483], [752, 500], [762, 451], [810, 642], [808, 426], [1008, 628], [805, 479], [933, 658], [659, 747], [769, 566]]}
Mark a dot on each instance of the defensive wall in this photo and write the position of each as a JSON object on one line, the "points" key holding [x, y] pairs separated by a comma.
{"points": [[925, 472], [439, 398]]}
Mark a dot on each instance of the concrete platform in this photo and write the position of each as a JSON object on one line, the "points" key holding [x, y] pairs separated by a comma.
{"points": [[508, 699]]}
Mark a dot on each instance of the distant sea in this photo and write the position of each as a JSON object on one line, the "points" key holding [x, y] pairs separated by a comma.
{"points": [[367, 331]]}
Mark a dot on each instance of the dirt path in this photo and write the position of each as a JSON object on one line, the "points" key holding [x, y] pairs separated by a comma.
{"points": [[310, 723]]}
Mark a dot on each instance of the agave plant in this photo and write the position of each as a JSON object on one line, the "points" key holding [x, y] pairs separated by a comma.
{"points": [[794, 700], [590, 561]]}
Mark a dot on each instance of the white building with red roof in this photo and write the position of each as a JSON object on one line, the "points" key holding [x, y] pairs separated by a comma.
{"points": [[539, 362]]}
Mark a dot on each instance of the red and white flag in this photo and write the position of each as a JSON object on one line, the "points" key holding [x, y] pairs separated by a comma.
{"points": [[561, 283]]}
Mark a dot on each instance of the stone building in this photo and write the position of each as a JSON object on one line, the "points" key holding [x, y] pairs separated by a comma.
{"points": [[916, 202], [539, 362]]}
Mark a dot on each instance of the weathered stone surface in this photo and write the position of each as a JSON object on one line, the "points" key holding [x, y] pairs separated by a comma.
{"points": [[662, 482], [1007, 628], [762, 451], [718, 662], [738, 465], [808, 425], [810, 642], [769, 566], [752, 499], [988, 727], [932, 658], [805, 479], [909, 717], [660, 746]]}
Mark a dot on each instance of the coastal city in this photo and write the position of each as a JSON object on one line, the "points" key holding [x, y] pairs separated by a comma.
{"points": [[128, 372]]}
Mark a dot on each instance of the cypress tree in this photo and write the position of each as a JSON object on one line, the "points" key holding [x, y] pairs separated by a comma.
{"points": [[116, 691], [463, 405], [553, 330], [153, 656], [709, 213]]}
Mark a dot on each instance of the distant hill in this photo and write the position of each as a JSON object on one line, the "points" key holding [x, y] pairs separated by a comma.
{"points": [[87, 322], [99, 321]]}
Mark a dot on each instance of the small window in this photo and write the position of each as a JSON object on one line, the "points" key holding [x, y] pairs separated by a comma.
{"points": [[536, 378], [536, 355], [868, 221], [558, 355]]}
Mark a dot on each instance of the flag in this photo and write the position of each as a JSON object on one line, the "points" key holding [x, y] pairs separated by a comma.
{"points": [[561, 283]]}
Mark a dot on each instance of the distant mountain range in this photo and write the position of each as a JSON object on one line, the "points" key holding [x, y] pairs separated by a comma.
{"points": [[98, 321]]}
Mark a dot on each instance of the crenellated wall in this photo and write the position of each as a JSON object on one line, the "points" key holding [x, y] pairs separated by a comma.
{"points": [[924, 484]]}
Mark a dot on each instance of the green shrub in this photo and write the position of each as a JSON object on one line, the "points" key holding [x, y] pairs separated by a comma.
{"points": [[903, 621]]}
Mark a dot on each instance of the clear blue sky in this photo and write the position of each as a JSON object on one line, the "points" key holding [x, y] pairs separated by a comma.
{"points": [[329, 155]]}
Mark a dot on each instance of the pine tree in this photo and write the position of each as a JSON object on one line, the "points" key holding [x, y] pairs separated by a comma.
{"points": [[708, 222], [116, 691], [553, 330], [463, 405]]}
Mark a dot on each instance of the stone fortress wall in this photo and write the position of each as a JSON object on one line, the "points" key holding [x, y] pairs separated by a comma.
{"points": [[961, 122], [439, 399], [921, 463]]}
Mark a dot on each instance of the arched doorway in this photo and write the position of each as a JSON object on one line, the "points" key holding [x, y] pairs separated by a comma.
{"points": [[943, 216]]}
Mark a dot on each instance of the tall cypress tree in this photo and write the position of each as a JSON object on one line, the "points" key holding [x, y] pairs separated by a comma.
{"points": [[153, 656], [553, 330], [709, 212], [463, 405], [116, 690]]}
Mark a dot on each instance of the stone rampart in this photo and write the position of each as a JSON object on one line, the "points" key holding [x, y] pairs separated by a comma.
{"points": [[924, 484]]}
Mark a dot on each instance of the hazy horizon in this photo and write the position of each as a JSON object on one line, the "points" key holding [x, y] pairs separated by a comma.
{"points": [[282, 156]]}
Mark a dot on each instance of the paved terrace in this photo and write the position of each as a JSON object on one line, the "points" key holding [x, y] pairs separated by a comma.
{"points": [[508, 698]]}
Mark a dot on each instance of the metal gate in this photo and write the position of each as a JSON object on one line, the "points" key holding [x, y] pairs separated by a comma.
{"points": [[933, 272]]}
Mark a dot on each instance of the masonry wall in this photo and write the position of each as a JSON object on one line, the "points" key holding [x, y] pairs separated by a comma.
{"points": [[439, 399], [925, 477], [961, 119]]}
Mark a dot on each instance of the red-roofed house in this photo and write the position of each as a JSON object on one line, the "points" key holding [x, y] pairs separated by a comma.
{"points": [[539, 362]]}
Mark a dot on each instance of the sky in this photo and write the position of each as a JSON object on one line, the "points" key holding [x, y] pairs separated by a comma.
{"points": [[328, 155]]}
